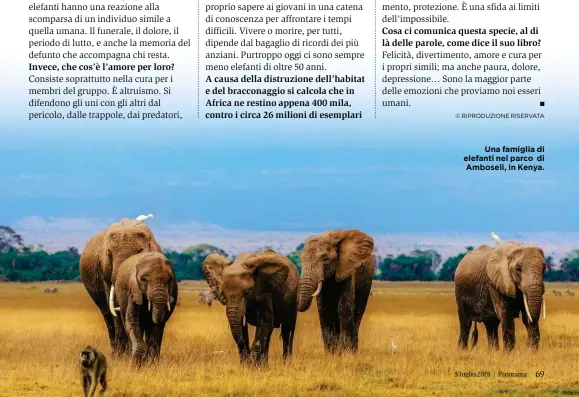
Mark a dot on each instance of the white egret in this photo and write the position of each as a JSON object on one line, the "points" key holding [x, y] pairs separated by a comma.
{"points": [[496, 238], [143, 218]]}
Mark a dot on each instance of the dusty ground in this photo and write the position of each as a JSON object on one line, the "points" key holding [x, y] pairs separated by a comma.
{"points": [[41, 335]]}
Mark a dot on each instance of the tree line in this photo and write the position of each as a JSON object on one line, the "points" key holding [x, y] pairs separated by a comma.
{"points": [[26, 263]]}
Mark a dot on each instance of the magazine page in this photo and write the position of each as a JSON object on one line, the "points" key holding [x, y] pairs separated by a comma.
{"points": [[289, 198]]}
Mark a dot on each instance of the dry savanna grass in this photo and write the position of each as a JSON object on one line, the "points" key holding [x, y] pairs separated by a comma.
{"points": [[41, 335]]}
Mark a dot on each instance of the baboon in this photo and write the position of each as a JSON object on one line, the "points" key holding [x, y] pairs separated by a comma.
{"points": [[556, 293], [50, 290], [93, 369], [570, 293]]}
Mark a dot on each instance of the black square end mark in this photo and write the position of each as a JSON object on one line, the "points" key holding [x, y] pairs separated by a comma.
{"points": [[541, 103]]}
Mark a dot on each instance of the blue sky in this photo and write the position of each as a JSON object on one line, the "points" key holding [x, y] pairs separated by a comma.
{"points": [[380, 182]]}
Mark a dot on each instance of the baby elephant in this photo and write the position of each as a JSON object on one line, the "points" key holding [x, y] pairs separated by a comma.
{"points": [[259, 289], [146, 291]]}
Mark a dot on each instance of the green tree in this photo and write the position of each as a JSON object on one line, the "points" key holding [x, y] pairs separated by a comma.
{"points": [[294, 256], [570, 266], [203, 250], [449, 266], [434, 256], [9, 239], [552, 273], [188, 263], [377, 259], [416, 266]]}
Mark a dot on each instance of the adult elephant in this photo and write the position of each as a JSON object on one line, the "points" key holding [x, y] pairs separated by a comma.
{"points": [[259, 289], [337, 268], [147, 291], [99, 262], [493, 285]]}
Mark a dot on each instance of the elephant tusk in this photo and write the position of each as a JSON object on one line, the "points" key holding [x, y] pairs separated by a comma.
{"points": [[112, 301], [168, 306], [544, 308], [527, 308], [244, 321], [317, 290], [149, 305]]}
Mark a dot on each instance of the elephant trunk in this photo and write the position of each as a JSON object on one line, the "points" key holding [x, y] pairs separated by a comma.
{"points": [[158, 304], [236, 316], [533, 300], [309, 288]]}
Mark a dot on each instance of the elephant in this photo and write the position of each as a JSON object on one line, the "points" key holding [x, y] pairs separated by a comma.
{"points": [[147, 292], [259, 289], [337, 269], [493, 285], [98, 265]]}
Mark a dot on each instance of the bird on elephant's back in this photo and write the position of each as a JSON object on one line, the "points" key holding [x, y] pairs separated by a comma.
{"points": [[494, 285], [258, 289], [337, 269], [99, 262]]}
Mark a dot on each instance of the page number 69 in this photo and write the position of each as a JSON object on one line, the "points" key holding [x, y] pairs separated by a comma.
{"points": [[540, 374]]}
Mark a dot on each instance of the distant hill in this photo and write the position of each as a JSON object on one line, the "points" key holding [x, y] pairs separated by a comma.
{"points": [[59, 234]]}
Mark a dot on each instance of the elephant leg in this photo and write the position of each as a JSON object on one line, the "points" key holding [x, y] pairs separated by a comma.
{"points": [[287, 334], [465, 324], [100, 298], [508, 325], [346, 310], [288, 328], [330, 325], [260, 347], [533, 333], [121, 337], [362, 295], [492, 327], [156, 338], [138, 345], [264, 329], [329, 320]]}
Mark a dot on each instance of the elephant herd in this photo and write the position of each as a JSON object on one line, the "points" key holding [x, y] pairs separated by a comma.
{"points": [[134, 286]]}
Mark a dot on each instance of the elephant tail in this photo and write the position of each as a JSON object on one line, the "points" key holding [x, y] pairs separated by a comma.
{"points": [[474, 338]]}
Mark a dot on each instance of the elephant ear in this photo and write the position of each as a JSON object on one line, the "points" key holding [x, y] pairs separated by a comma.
{"points": [[269, 266], [134, 286], [153, 244], [498, 268], [106, 258], [212, 267], [354, 249]]}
